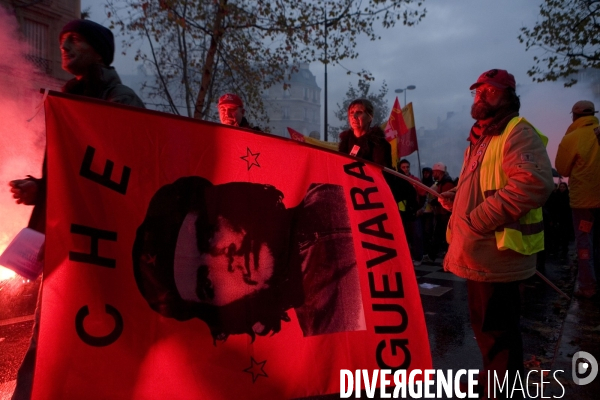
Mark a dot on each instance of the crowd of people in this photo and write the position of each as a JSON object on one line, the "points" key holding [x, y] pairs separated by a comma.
{"points": [[487, 224]]}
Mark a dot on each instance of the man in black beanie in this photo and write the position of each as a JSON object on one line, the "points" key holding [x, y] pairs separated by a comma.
{"points": [[87, 50]]}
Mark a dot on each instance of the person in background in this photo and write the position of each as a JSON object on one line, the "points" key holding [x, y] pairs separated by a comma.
{"points": [[87, 51], [425, 213], [578, 157], [369, 143], [408, 205], [443, 183], [231, 112], [362, 140], [427, 174], [496, 226]]}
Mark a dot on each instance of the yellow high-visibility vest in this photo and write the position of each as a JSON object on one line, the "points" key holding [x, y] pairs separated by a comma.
{"points": [[402, 206], [525, 236]]}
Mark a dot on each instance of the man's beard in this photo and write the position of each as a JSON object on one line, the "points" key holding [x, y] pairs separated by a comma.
{"points": [[483, 110]]}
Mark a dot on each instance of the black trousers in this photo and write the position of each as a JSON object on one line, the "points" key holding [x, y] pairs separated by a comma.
{"points": [[495, 310]]}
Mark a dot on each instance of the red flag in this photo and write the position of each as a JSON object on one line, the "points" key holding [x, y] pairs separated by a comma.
{"points": [[297, 136], [395, 126], [407, 141], [187, 259]]}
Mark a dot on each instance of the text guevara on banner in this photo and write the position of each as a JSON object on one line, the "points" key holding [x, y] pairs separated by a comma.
{"points": [[187, 259]]}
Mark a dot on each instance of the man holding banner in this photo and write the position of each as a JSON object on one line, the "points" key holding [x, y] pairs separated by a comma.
{"points": [[87, 51]]}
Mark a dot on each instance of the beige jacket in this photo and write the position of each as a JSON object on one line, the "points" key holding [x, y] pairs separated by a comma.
{"points": [[472, 253]]}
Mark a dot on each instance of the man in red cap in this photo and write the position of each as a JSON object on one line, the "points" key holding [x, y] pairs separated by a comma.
{"points": [[578, 157], [496, 227], [231, 111]]}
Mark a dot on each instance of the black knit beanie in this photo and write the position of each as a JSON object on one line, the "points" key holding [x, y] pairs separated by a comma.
{"points": [[100, 38]]}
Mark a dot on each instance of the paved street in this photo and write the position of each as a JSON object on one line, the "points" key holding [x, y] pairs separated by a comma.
{"points": [[554, 328], [17, 305]]}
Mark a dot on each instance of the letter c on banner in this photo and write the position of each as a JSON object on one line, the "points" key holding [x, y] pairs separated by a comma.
{"points": [[99, 341]]}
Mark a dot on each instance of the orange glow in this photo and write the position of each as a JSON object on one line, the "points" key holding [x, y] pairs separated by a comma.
{"points": [[13, 218], [22, 136], [6, 273]]}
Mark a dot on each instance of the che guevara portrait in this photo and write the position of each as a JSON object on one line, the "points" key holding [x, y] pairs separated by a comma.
{"points": [[233, 256]]}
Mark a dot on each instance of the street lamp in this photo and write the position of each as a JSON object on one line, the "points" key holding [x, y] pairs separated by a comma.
{"points": [[409, 87]]}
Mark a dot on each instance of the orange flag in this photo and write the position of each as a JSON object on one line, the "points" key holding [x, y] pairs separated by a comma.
{"points": [[188, 259]]}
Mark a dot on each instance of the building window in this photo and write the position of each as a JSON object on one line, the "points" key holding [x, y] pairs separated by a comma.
{"points": [[36, 34], [286, 113], [305, 114], [286, 92], [305, 93]]}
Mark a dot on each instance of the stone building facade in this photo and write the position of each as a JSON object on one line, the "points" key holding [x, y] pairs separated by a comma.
{"points": [[298, 106], [40, 22]]}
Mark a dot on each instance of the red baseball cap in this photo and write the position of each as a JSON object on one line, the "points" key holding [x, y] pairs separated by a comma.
{"points": [[499, 78], [230, 98]]}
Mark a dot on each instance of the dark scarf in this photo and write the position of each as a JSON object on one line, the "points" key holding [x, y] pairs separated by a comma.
{"points": [[91, 85], [245, 124], [493, 126]]}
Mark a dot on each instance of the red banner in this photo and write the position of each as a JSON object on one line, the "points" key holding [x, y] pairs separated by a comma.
{"points": [[188, 260]]}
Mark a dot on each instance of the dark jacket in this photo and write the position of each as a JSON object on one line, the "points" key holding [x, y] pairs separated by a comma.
{"points": [[443, 185], [246, 124], [405, 196], [373, 146], [104, 84]]}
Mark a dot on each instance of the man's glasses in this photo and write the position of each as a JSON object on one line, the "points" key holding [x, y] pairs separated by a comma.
{"points": [[479, 92]]}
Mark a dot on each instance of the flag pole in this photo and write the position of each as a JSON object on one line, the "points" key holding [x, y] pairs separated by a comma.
{"points": [[419, 160], [418, 154]]}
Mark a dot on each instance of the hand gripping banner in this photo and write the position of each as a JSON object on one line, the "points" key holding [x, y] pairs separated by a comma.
{"points": [[192, 260]]}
